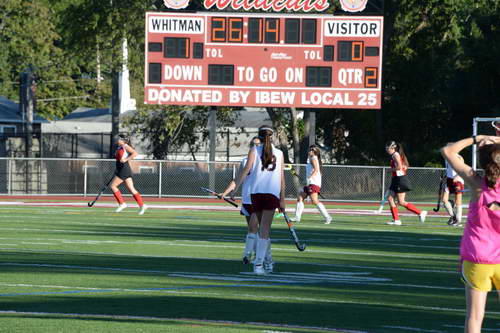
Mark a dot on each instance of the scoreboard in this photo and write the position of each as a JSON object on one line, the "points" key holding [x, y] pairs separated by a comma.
{"points": [[263, 60]]}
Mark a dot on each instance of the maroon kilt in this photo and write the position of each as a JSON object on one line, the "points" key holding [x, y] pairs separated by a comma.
{"points": [[264, 201], [454, 187], [310, 189]]}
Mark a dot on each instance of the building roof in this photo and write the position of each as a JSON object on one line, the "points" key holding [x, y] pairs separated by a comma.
{"points": [[9, 112], [84, 114]]}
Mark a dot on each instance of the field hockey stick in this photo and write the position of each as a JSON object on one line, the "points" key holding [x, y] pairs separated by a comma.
{"points": [[382, 202], [91, 203], [219, 196], [440, 191], [293, 172], [293, 233]]}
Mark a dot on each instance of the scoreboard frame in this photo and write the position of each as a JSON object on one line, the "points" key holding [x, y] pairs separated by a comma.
{"points": [[263, 60]]}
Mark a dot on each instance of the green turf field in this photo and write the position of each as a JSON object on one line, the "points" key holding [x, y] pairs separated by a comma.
{"points": [[70, 269]]}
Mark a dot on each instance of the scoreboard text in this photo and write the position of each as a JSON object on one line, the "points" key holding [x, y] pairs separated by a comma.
{"points": [[277, 60]]}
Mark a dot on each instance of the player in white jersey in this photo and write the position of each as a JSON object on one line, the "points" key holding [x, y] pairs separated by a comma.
{"points": [[246, 208], [267, 188], [313, 186], [496, 126], [454, 185]]}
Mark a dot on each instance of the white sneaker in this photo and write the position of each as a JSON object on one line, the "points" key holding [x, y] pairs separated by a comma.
{"points": [[422, 216], [328, 220], [269, 267], [294, 219], [121, 207], [143, 209], [259, 270], [395, 222]]}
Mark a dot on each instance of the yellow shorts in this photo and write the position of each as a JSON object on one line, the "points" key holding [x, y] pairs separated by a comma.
{"points": [[481, 276]]}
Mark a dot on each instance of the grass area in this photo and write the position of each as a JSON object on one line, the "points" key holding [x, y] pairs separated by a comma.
{"points": [[71, 269]]}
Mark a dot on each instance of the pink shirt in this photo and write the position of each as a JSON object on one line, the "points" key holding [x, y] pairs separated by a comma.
{"points": [[481, 240]]}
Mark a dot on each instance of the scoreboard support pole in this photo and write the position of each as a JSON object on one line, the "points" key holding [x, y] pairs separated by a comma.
{"points": [[212, 125], [312, 127]]}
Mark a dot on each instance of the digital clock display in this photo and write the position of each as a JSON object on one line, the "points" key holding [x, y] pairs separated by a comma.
{"points": [[250, 59]]}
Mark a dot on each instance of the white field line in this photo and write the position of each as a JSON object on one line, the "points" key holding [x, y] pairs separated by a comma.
{"points": [[219, 246], [397, 269], [359, 240], [201, 207], [414, 329], [124, 317], [239, 295]]}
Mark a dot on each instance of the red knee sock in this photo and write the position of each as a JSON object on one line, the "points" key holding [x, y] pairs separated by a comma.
{"points": [[118, 197], [394, 212], [413, 209], [138, 198]]}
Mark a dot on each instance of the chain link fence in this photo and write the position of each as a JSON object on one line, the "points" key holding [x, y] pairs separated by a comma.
{"points": [[77, 177]]}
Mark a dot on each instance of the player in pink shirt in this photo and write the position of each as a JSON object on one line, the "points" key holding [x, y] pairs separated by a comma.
{"points": [[480, 245]]}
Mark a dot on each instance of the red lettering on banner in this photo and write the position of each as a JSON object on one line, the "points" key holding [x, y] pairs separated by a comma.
{"points": [[276, 5]]}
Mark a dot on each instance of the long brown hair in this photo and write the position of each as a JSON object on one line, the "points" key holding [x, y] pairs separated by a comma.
{"points": [[489, 158], [398, 146], [317, 152], [265, 136]]}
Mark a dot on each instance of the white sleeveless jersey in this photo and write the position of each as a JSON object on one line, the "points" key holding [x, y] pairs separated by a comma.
{"points": [[266, 181], [450, 173], [245, 188], [316, 180]]}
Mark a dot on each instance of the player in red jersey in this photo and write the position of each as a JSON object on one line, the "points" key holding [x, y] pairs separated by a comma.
{"points": [[124, 153], [400, 183]]}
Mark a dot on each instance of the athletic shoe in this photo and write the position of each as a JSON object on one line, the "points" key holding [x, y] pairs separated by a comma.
{"points": [[143, 209], [453, 221], [328, 220], [268, 267], [422, 216], [259, 270], [121, 207], [247, 258], [294, 219], [396, 222]]}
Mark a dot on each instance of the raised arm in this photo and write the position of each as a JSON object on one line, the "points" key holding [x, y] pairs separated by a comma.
{"points": [[451, 154]]}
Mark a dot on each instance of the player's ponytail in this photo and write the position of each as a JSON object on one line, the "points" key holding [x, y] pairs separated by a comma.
{"points": [[398, 147], [489, 158], [265, 136]]}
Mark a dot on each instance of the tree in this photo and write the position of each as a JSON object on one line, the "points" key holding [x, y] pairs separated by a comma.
{"points": [[169, 128], [28, 37]]}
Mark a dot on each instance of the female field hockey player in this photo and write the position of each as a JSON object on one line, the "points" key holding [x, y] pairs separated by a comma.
{"points": [[124, 153], [313, 186], [246, 208], [267, 189], [454, 185], [400, 183], [480, 245]]}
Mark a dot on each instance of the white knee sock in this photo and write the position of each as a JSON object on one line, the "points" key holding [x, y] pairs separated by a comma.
{"points": [[322, 210], [459, 213], [449, 209], [269, 256], [299, 209], [250, 243], [262, 246]]}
